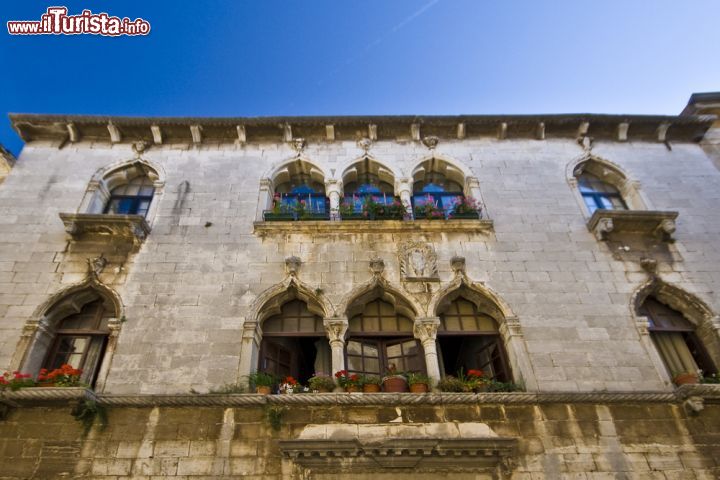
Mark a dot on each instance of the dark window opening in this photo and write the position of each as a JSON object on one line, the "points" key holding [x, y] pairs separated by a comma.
{"points": [[292, 356], [80, 341], [132, 198]]}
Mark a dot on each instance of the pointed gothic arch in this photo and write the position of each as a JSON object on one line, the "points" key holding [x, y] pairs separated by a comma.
{"points": [[112, 178], [701, 322], [594, 171], [95, 312]]}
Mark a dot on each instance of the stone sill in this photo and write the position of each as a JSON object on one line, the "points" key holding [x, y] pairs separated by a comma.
{"points": [[126, 228], [32, 396], [654, 223], [374, 226]]}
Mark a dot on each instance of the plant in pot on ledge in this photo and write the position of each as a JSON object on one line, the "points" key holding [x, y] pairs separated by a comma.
{"points": [[466, 207], [394, 381], [371, 383], [65, 376], [280, 211], [321, 383], [686, 378], [419, 382], [262, 382], [349, 381]]}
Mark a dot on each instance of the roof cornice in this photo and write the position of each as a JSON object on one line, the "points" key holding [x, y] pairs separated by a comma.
{"points": [[172, 130]]}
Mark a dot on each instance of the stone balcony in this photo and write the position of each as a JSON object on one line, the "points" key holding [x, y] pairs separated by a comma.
{"points": [[129, 229], [605, 224]]}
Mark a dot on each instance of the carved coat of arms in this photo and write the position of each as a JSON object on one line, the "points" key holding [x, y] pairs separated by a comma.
{"points": [[418, 262]]}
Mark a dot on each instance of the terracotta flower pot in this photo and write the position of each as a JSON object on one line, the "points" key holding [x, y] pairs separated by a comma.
{"points": [[263, 390], [395, 384], [686, 379], [371, 388], [419, 388], [352, 388]]}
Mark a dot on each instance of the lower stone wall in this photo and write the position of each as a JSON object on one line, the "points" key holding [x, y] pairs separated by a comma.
{"points": [[554, 441]]}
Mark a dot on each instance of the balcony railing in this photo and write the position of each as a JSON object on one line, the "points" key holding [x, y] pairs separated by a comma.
{"points": [[292, 207]]}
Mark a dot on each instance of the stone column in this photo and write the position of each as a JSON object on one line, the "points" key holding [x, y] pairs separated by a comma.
{"points": [[472, 189], [403, 189], [425, 330], [333, 189], [336, 328], [249, 350], [264, 198], [104, 364]]}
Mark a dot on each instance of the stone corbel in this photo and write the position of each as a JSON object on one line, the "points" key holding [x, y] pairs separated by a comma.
{"points": [[603, 228], [457, 264], [665, 230], [642, 324], [694, 405], [377, 266]]}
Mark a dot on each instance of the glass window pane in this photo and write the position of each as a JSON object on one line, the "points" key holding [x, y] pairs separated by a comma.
{"points": [[372, 365], [606, 202], [590, 203], [410, 347], [355, 364], [370, 351], [617, 203], [354, 348], [394, 350]]}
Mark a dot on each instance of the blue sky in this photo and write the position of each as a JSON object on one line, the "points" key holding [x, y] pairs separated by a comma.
{"points": [[315, 57]]}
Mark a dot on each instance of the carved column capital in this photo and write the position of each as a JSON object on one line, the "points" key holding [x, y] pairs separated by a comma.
{"points": [[336, 328], [425, 329], [403, 186], [642, 324], [265, 184], [333, 185], [511, 328]]}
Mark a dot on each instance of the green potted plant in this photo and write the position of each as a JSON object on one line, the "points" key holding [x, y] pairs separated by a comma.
{"points": [[394, 381], [475, 380], [429, 211], [467, 207], [418, 382], [321, 383], [371, 383], [16, 381], [712, 378], [65, 376], [280, 212], [262, 382], [347, 211], [349, 381], [450, 383]]}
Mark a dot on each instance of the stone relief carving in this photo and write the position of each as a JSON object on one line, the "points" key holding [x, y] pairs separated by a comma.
{"points": [[418, 262], [377, 266], [457, 264], [365, 144], [292, 265], [431, 141], [96, 265], [298, 144]]}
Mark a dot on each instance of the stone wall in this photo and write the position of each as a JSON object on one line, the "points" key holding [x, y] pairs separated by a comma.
{"points": [[593, 441], [189, 289]]}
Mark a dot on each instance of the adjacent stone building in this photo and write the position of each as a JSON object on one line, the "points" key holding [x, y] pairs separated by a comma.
{"points": [[572, 255]]}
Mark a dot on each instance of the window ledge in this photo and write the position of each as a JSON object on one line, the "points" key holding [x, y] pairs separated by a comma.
{"points": [[375, 226], [660, 224], [126, 228]]}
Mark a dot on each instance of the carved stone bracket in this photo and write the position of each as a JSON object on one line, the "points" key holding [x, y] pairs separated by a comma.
{"points": [[298, 144], [694, 405], [125, 228], [658, 224], [365, 144]]}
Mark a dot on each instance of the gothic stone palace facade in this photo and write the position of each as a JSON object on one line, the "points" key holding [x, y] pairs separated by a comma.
{"points": [[575, 256]]}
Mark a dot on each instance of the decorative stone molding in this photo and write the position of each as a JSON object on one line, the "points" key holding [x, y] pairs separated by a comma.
{"points": [[96, 265], [123, 228], [377, 266], [418, 262], [470, 226], [658, 224], [35, 396], [421, 447], [694, 405]]}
